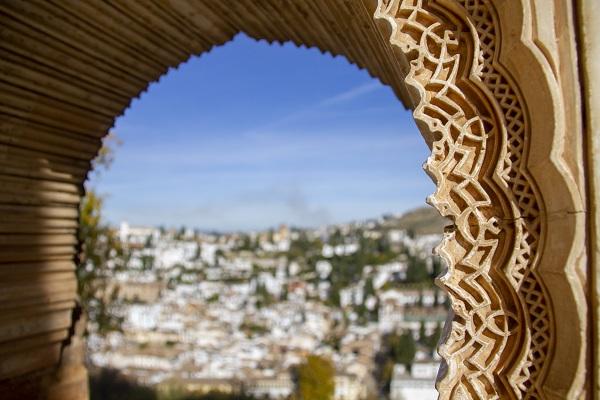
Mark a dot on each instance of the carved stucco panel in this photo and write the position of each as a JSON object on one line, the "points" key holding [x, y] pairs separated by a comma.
{"points": [[498, 342]]}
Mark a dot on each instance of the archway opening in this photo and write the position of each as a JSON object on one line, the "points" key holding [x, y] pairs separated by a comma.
{"points": [[280, 195]]}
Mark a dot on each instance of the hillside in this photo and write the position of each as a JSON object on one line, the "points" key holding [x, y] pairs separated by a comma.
{"points": [[422, 221]]}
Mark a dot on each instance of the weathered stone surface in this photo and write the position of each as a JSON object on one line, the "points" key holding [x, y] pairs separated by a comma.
{"points": [[496, 91]]}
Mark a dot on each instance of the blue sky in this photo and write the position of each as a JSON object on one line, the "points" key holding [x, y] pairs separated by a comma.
{"points": [[252, 135]]}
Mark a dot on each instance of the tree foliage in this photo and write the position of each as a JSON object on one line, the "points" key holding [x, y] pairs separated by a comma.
{"points": [[110, 384], [396, 349], [101, 254], [304, 248], [416, 271], [348, 269], [402, 349], [263, 297], [432, 340], [315, 379]]}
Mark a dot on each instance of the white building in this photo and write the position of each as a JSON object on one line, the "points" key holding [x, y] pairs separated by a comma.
{"points": [[420, 385], [323, 268], [277, 387], [349, 387], [137, 235], [329, 251]]}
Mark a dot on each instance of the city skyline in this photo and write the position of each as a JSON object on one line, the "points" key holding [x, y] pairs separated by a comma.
{"points": [[254, 147]]}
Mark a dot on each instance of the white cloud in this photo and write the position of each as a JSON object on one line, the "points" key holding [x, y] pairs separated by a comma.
{"points": [[351, 94], [313, 110]]}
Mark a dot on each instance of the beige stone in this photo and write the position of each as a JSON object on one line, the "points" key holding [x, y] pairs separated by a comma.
{"points": [[503, 91]]}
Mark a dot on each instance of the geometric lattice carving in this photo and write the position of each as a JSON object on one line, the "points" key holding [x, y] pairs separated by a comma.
{"points": [[477, 127], [537, 336]]}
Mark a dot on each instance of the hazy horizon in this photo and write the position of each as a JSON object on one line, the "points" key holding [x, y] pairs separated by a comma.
{"points": [[251, 230]]}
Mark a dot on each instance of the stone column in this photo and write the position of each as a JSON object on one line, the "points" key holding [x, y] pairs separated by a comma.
{"points": [[589, 29], [70, 381]]}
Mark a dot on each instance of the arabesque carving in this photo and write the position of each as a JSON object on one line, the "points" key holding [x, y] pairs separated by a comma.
{"points": [[501, 320], [535, 340]]}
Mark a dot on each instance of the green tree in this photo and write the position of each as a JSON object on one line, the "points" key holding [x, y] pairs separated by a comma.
{"points": [[263, 297], [219, 253], [304, 247], [369, 288], [416, 272], [315, 379], [198, 253], [403, 349], [395, 349], [147, 262], [336, 238], [434, 338], [383, 245], [149, 243], [422, 333], [436, 267], [109, 384], [212, 396], [99, 249], [180, 234], [384, 375], [333, 295], [100, 255]]}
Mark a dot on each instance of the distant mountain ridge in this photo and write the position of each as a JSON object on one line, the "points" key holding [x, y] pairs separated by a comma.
{"points": [[421, 221]]}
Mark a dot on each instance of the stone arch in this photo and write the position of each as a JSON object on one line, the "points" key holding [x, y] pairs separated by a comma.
{"points": [[492, 93]]}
